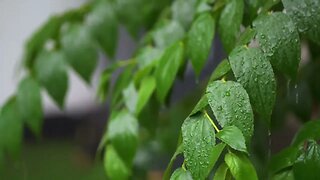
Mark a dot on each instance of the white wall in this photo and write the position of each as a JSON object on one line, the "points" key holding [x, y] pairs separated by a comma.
{"points": [[18, 19]]}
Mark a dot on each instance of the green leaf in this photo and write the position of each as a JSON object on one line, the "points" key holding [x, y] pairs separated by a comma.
{"points": [[200, 105], [230, 104], [11, 128], [36, 42], [169, 33], [123, 133], [148, 55], [229, 23], [305, 15], [183, 11], [80, 51], [308, 164], [167, 172], [282, 44], [283, 175], [199, 149], [130, 96], [167, 69], [199, 40], [51, 71], [103, 25], [30, 105], [221, 70], [233, 137], [310, 130], [115, 168], [104, 82], [181, 174], [283, 159], [147, 87], [240, 166], [122, 82], [252, 69], [246, 37], [221, 172]]}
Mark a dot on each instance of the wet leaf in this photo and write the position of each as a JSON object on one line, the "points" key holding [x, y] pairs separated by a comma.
{"points": [[199, 149], [221, 70], [230, 104], [147, 87], [306, 17], [282, 44], [199, 40], [252, 69], [232, 136]]}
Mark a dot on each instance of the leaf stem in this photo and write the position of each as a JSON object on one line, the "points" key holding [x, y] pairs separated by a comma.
{"points": [[184, 166], [211, 121]]}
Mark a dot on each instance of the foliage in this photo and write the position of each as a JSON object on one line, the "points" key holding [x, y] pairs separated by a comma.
{"points": [[263, 40]]}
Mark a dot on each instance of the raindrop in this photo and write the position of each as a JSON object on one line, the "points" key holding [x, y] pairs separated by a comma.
{"points": [[228, 93], [297, 93]]}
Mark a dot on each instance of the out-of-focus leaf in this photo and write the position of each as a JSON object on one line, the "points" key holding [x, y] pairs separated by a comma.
{"points": [[115, 168], [231, 106], [229, 23], [48, 30], [308, 164], [181, 174], [310, 130], [222, 69], [168, 34], [183, 11], [283, 159], [283, 175], [148, 55], [11, 128], [80, 51], [147, 87], [123, 134], [240, 166], [282, 44], [233, 137], [167, 69], [305, 14], [199, 40], [167, 172], [122, 82], [104, 83], [200, 105], [246, 36], [130, 96], [252, 69], [221, 172], [103, 25], [30, 105], [51, 71]]}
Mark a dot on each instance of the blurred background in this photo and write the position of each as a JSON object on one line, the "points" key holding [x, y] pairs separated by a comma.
{"points": [[67, 149]]}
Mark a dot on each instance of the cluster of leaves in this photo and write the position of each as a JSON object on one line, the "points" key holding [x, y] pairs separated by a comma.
{"points": [[216, 136]]}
